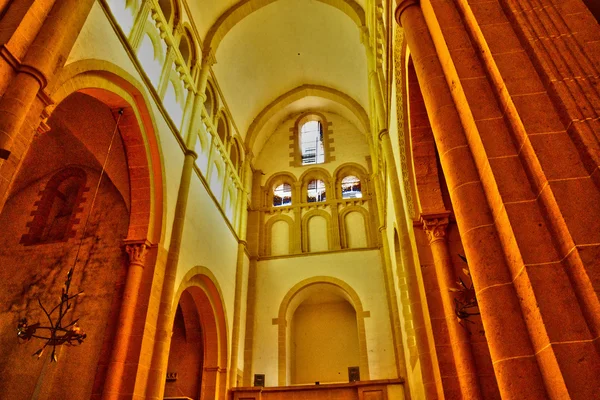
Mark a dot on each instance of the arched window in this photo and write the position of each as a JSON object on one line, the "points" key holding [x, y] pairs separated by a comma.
{"points": [[186, 49], [282, 195], [55, 216], [222, 129], [209, 103], [351, 188], [316, 191], [311, 143], [234, 156], [167, 8]]}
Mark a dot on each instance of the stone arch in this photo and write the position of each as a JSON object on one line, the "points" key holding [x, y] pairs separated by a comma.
{"points": [[41, 214], [325, 139], [174, 12], [211, 101], [117, 89], [311, 174], [368, 224], [349, 169], [188, 36], [278, 179], [299, 93], [288, 305], [305, 234], [268, 237], [236, 149], [222, 125], [156, 41], [244, 8], [402, 54], [204, 288]]}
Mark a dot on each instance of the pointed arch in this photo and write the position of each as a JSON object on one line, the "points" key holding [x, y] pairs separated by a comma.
{"points": [[117, 89], [244, 8], [299, 93]]}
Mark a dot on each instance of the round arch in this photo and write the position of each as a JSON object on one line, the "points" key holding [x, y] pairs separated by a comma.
{"points": [[367, 221], [297, 94], [349, 169], [207, 297], [288, 306], [278, 179], [311, 174], [268, 236], [305, 229], [244, 8], [117, 89]]}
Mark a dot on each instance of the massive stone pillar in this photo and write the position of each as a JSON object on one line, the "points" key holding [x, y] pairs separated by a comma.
{"points": [[515, 364]]}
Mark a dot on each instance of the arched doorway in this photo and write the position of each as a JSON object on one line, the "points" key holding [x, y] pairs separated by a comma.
{"points": [[197, 366], [323, 336], [42, 227], [321, 323], [186, 355]]}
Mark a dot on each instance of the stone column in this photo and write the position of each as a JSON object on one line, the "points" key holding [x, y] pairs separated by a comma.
{"points": [[298, 198], [54, 41], [164, 328], [435, 226], [239, 277], [137, 254], [515, 364], [424, 342], [335, 225]]}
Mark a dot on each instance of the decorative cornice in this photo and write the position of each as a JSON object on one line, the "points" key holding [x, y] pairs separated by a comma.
{"points": [[402, 5]]}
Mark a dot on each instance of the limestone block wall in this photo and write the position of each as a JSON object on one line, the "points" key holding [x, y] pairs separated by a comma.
{"points": [[360, 270]]}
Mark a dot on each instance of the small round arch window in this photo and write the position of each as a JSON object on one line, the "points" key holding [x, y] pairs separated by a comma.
{"points": [[282, 195], [316, 191], [351, 188]]}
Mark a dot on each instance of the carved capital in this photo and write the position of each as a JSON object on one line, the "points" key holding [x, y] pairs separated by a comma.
{"points": [[137, 252], [435, 227], [208, 57]]}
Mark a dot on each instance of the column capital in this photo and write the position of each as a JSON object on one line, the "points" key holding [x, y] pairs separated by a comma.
{"points": [[137, 250], [383, 133], [402, 5], [208, 57], [435, 226]]}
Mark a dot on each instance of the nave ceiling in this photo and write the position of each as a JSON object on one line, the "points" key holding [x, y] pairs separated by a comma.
{"points": [[273, 51]]}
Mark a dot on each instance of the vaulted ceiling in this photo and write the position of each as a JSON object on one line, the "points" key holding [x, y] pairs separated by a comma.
{"points": [[267, 52]]}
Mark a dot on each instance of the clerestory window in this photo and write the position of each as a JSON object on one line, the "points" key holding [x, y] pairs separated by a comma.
{"points": [[311, 143], [316, 191], [282, 195], [351, 188]]}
